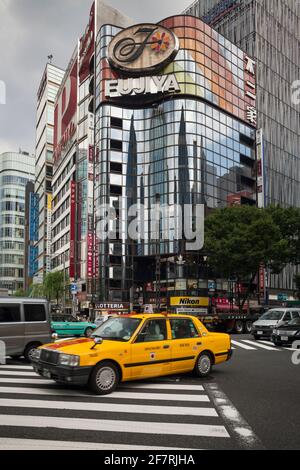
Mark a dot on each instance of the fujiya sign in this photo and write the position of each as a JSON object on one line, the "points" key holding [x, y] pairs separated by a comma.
{"points": [[142, 49], [141, 86]]}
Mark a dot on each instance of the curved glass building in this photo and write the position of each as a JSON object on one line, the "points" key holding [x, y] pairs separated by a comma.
{"points": [[189, 143]]}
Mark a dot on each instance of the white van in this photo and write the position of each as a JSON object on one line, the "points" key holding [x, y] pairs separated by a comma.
{"points": [[24, 325], [271, 319]]}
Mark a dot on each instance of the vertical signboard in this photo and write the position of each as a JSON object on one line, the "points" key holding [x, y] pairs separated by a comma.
{"points": [[72, 229], [48, 241], [260, 169]]}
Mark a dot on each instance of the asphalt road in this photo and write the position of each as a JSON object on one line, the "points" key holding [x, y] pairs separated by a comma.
{"points": [[251, 402]]}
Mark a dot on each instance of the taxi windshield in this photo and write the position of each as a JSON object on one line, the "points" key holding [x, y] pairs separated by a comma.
{"points": [[117, 328]]}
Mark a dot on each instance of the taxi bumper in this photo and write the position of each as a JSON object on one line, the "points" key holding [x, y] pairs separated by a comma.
{"points": [[63, 374]]}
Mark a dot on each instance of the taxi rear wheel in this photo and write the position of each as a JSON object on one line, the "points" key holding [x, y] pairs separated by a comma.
{"points": [[204, 364], [104, 378]]}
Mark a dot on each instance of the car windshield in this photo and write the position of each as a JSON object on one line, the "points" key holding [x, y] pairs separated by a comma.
{"points": [[272, 315], [117, 328], [296, 322]]}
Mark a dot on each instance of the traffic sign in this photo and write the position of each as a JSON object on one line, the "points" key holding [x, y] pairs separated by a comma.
{"points": [[73, 288]]}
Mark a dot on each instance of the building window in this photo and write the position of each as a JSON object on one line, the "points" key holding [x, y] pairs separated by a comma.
{"points": [[116, 145], [116, 122]]}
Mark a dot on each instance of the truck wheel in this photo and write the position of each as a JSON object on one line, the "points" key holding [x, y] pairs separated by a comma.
{"points": [[104, 378], [248, 326], [239, 327], [203, 364]]}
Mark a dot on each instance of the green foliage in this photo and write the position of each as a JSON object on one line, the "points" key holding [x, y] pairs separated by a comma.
{"points": [[37, 291], [20, 293], [239, 239], [54, 285]]}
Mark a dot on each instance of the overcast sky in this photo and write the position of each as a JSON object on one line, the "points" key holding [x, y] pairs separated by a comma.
{"points": [[32, 29]]}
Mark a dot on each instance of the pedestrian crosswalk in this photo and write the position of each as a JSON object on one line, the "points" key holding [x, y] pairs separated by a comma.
{"points": [[252, 345], [164, 414]]}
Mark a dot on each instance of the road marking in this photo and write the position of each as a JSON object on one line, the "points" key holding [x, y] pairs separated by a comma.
{"points": [[110, 407], [163, 386], [259, 345], [234, 422], [18, 373], [157, 396], [136, 427], [29, 381], [124, 395], [35, 444], [15, 366], [241, 345]]}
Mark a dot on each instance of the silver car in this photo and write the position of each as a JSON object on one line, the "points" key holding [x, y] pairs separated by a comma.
{"points": [[24, 325], [273, 318]]}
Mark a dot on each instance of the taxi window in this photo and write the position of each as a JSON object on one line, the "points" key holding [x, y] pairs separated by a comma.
{"points": [[154, 330], [183, 328]]}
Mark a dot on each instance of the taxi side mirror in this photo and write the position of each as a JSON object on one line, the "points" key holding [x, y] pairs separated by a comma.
{"points": [[97, 341]]}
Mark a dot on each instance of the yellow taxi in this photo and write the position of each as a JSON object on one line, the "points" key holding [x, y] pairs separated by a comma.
{"points": [[133, 347]]}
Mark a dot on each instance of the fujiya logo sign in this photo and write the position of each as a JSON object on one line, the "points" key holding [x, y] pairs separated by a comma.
{"points": [[142, 48], [141, 86]]}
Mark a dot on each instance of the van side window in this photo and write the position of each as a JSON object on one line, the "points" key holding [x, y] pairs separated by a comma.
{"points": [[34, 312], [9, 313]]}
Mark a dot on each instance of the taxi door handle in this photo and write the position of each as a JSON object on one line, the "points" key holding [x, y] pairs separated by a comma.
{"points": [[199, 344], [166, 346]]}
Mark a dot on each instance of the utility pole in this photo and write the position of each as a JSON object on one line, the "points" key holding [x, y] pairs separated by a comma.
{"points": [[64, 292], [158, 260]]}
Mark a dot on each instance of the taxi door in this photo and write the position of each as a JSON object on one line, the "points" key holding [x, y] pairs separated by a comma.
{"points": [[150, 352], [186, 344]]}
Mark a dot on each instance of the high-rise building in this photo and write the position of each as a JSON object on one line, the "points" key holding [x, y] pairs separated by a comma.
{"points": [[269, 31], [174, 125], [46, 96], [73, 170], [16, 170]]}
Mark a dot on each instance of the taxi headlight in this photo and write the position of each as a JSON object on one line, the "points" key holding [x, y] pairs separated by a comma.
{"points": [[35, 355], [68, 360]]}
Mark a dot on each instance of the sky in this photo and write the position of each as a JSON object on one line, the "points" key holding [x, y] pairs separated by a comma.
{"points": [[30, 30]]}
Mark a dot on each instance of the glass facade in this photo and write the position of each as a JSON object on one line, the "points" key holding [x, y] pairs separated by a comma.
{"points": [[16, 169], [268, 31], [192, 147]]}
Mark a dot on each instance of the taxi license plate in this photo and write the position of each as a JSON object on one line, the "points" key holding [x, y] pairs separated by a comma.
{"points": [[46, 373], [284, 338], [260, 333]]}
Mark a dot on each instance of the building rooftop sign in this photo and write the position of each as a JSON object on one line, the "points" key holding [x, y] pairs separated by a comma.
{"points": [[142, 49]]}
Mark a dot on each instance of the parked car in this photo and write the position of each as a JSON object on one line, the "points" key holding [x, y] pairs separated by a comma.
{"points": [[134, 347], [24, 325], [69, 326], [272, 319], [288, 333]]}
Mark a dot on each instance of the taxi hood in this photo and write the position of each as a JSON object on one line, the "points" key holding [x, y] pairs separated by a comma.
{"points": [[72, 346]]}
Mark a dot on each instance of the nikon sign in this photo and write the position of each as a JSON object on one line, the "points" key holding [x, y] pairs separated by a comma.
{"points": [[141, 86], [189, 301]]}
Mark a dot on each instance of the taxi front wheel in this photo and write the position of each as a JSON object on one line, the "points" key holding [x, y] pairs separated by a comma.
{"points": [[203, 365], [104, 378]]}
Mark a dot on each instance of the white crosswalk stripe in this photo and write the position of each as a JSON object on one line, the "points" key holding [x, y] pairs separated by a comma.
{"points": [[163, 408], [241, 345], [38, 444], [260, 345]]}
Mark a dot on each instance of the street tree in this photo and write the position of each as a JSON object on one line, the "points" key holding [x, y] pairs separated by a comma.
{"points": [[37, 291], [54, 285], [238, 240]]}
